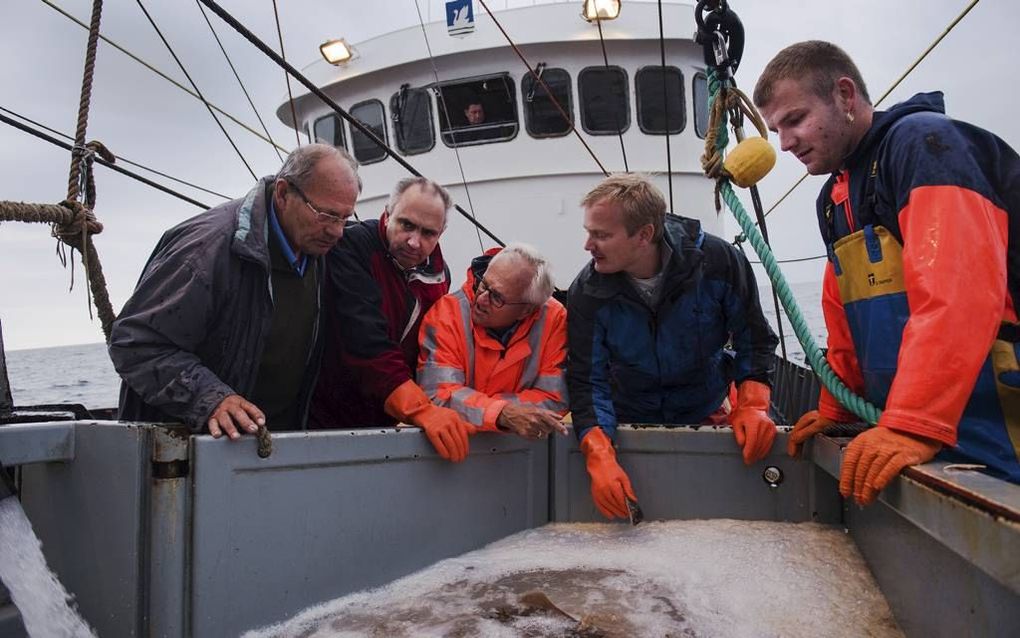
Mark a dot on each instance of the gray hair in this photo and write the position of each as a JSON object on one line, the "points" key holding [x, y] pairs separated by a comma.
{"points": [[541, 286], [426, 184], [298, 166]]}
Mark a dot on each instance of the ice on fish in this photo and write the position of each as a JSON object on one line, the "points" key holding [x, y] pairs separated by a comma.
{"points": [[590, 580]]}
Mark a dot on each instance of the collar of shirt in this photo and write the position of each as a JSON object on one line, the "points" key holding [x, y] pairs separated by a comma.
{"points": [[503, 336], [298, 264]]}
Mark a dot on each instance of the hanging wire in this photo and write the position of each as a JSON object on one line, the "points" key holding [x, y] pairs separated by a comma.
{"points": [[119, 158], [665, 107], [308, 84], [442, 98], [286, 76], [195, 86], [239, 82], [166, 77], [792, 261], [99, 160], [552, 97], [895, 84], [619, 127]]}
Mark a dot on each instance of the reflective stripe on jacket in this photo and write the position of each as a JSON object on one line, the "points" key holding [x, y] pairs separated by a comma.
{"points": [[461, 366]]}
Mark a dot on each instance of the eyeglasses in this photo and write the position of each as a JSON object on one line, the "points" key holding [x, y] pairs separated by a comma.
{"points": [[497, 299], [322, 216]]}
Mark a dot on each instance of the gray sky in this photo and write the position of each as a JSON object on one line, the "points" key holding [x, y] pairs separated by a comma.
{"points": [[143, 118]]}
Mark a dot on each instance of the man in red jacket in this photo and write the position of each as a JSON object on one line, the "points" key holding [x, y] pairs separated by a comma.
{"points": [[494, 351], [382, 280]]}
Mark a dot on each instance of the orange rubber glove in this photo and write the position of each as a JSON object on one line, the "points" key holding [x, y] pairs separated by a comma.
{"points": [[446, 431], [806, 427], [754, 430], [610, 486], [873, 458]]}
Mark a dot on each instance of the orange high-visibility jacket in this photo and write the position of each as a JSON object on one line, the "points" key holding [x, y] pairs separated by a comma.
{"points": [[461, 366]]}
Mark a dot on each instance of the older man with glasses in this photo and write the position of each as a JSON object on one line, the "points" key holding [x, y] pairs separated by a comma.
{"points": [[495, 350], [223, 329]]}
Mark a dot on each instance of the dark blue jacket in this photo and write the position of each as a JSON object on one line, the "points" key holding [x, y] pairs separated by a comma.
{"points": [[629, 363]]}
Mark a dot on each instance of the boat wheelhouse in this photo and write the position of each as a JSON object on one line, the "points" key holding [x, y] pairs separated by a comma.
{"points": [[521, 171]]}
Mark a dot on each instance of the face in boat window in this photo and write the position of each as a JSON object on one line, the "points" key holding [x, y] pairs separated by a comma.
{"points": [[477, 111]]}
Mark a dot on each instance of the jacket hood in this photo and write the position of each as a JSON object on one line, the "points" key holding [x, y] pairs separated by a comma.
{"points": [[932, 102], [684, 237], [476, 270]]}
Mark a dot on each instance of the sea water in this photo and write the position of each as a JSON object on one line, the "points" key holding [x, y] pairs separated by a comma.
{"points": [[66, 374], [45, 605], [83, 373], [662, 579]]}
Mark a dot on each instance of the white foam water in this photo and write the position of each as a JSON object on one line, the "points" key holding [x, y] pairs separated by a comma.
{"points": [[676, 578], [45, 605]]}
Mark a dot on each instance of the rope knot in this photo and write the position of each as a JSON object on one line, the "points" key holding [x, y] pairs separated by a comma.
{"points": [[83, 223]]}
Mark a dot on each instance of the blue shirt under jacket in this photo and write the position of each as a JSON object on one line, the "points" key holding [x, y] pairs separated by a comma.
{"points": [[630, 363]]}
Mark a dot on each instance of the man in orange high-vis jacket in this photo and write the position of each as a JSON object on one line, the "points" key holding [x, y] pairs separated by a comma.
{"points": [[495, 350], [920, 217]]}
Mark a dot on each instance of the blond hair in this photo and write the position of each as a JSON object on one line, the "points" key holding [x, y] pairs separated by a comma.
{"points": [[641, 201]]}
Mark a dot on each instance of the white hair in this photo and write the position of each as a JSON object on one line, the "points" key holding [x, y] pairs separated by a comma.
{"points": [[541, 286]]}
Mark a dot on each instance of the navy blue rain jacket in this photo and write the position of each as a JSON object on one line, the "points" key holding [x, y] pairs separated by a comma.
{"points": [[629, 363]]}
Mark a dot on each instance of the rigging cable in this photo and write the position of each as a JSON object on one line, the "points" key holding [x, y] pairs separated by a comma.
{"points": [[616, 115], [166, 77], [100, 160], [195, 86], [552, 98], [290, 96], [297, 75], [119, 158], [456, 147], [665, 107], [791, 261], [239, 82], [899, 80]]}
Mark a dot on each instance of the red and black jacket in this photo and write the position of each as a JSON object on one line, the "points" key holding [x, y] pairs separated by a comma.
{"points": [[374, 310]]}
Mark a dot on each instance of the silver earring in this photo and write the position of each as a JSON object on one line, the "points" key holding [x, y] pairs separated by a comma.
{"points": [[849, 117]]}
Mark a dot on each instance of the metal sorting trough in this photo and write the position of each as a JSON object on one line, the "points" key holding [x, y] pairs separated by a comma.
{"points": [[158, 533]]}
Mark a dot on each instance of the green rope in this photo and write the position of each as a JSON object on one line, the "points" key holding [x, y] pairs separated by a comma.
{"points": [[832, 382]]}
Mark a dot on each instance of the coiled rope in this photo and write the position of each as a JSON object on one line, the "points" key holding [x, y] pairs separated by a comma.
{"points": [[720, 100]]}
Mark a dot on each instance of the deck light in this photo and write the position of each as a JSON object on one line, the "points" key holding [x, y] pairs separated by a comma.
{"points": [[336, 51], [601, 10]]}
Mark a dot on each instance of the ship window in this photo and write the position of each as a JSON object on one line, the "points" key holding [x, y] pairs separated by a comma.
{"points": [[477, 111], [541, 117], [371, 114], [660, 110], [328, 131], [700, 104], [603, 96], [411, 110]]}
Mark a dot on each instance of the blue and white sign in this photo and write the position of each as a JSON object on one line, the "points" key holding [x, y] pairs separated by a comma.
{"points": [[460, 17]]}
